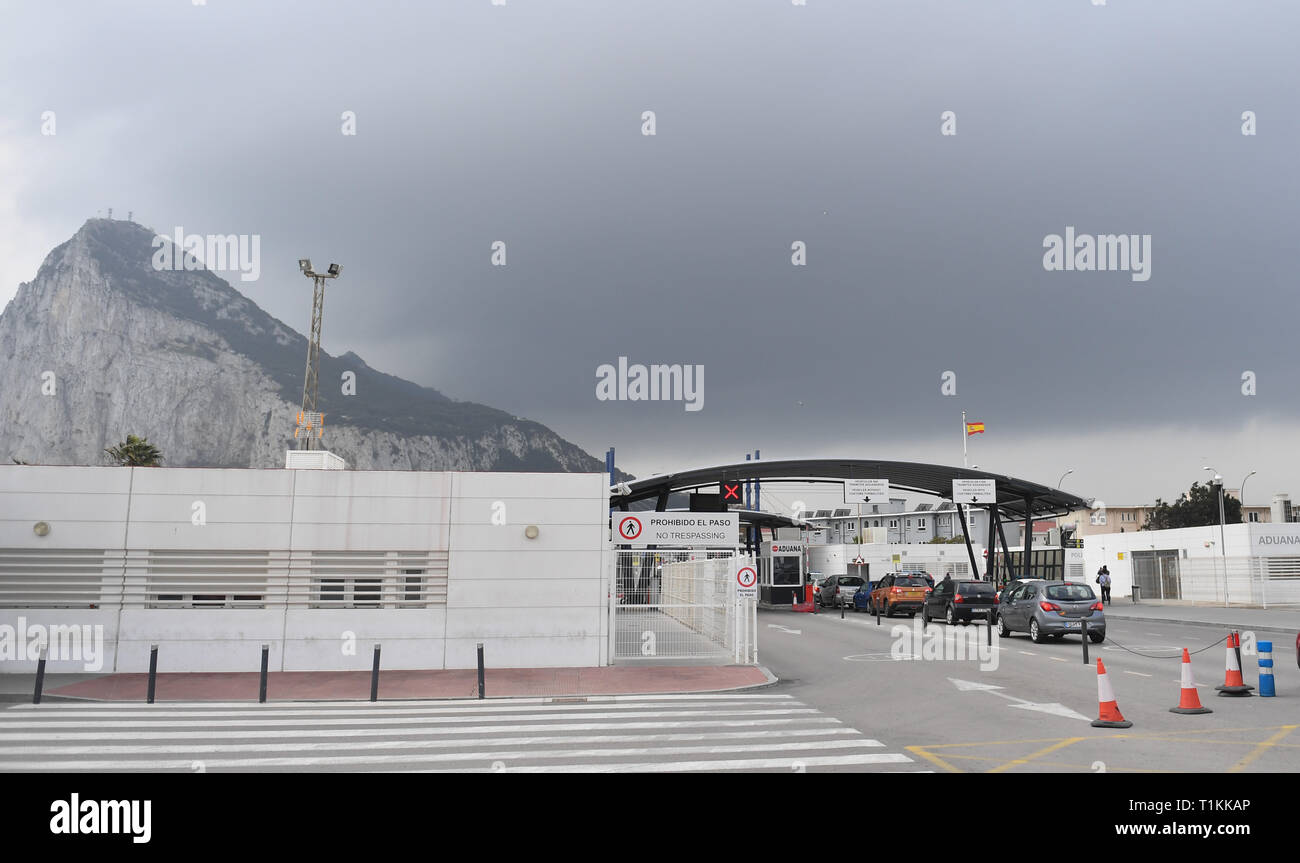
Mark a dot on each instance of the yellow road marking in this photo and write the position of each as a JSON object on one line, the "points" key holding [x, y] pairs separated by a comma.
{"points": [[1060, 744], [1261, 749], [1110, 768], [933, 759]]}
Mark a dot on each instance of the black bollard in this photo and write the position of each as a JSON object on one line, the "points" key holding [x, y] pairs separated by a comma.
{"points": [[481, 683], [841, 611], [40, 678], [989, 634], [261, 689], [374, 676], [1084, 630], [153, 671]]}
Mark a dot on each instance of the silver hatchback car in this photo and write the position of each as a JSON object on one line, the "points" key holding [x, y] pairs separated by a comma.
{"points": [[840, 589], [1052, 609]]}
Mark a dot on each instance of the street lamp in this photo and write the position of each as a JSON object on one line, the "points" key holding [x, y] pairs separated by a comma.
{"points": [[1217, 482], [1242, 494], [1063, 476]]}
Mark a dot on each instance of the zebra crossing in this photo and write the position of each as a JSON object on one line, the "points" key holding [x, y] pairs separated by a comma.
{"points": [[607, 734]]}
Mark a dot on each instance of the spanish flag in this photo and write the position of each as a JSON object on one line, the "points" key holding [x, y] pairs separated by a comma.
{"points": [[974, 428]]}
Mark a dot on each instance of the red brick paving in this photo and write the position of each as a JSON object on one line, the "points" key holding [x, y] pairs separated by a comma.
{"points": [[355, 685]]}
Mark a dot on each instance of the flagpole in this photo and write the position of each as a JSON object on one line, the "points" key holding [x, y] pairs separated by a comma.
{"points": [[964, 462]]}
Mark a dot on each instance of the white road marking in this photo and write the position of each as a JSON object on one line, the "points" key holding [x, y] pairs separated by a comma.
{"points": [[376, 732], [1057, 659], [752, 733], [785, 629], [1054, 708], [1027, 653], [1139, 674], [270, 712], [421, 742], [686, 766], [429, 722]]}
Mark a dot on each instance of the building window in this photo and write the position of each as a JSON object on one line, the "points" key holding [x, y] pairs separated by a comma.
{"points": [[893, 522], [920, 523], [1254, 516]]}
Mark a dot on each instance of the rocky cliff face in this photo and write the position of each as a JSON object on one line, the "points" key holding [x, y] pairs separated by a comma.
{"points": [[101, 344]]}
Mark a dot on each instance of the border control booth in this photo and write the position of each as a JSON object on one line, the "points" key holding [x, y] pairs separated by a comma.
{"points": [[781, 572]]}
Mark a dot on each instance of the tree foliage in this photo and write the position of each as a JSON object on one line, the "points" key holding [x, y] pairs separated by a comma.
{"points": [[135, 452], [1198, 508]]}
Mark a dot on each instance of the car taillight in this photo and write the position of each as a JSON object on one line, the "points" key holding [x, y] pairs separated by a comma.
{"points": [[928, 589], [895, 591], [996, 599], [958, 598], [1097, 606], [1049, 606]]}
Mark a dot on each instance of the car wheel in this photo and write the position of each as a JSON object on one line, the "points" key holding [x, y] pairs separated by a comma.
{"points": [[1003, 630], [950, 617], [925, 618], [889, 612], [1035, 634], [911, 614], [1096, 637]]}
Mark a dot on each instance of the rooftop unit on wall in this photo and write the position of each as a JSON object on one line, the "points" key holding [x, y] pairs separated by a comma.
{"points": [[313, 459]]}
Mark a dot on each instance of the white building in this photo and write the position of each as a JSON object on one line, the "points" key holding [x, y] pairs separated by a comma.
{"points": [[1252, 564], [318, 564]]}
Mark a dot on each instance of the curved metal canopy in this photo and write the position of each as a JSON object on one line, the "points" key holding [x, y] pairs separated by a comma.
{"points": [[1016, 497]]}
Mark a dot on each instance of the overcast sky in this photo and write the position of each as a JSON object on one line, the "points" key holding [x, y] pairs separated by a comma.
{"points": [[775, 123]]}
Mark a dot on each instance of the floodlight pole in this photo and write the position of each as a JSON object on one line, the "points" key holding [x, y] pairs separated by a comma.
{"points": [[311, 376]]}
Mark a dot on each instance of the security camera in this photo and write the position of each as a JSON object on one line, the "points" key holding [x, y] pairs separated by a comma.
{"points": [[623, 489]]}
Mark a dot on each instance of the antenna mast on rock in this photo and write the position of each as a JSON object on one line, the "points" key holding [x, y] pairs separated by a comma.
{"points": [[309, 419]]}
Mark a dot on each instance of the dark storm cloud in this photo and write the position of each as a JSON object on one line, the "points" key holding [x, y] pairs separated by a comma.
{"points": [[775, 123]]}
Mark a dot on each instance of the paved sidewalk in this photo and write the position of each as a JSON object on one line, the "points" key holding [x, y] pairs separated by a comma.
{"points": [[1283, 620], [355, 685]]}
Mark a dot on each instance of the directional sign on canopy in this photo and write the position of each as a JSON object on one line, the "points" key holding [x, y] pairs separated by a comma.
{"points": [[866, 491], [974, 491]]}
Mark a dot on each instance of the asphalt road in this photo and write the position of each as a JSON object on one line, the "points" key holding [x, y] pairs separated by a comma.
{"points": [[1037, 719]]}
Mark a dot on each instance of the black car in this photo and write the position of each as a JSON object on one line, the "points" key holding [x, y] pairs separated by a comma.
{"points": [[960, 601]]}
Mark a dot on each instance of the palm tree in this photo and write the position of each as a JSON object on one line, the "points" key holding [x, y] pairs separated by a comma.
{"points": [[135, 452]]}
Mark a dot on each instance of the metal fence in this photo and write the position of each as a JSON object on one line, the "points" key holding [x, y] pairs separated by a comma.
{"points": [[682, 605], [1258, 581]]}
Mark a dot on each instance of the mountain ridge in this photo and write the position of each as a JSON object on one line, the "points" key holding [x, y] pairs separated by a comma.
{"points": [[183, 358]]}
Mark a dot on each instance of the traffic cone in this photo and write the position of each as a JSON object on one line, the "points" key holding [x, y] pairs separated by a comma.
{"points": [[1188, 699], [1233, 684], [1108, 715]]}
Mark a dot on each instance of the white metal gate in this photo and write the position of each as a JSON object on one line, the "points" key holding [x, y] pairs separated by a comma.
{"points": [[681, 604]]}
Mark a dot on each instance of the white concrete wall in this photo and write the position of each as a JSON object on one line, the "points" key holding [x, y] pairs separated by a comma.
{"points": [[1201, 553], [532, 602], [834, 559]]}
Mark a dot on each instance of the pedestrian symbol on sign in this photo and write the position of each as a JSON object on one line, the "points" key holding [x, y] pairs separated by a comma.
{"points": [[629, 527]]}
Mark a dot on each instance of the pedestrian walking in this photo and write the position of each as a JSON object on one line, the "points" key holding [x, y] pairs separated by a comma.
{"points": [[1103, 579]]}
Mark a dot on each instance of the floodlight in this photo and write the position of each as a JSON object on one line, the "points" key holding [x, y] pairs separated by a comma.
{"points": [[335, 269], [304, 264]]}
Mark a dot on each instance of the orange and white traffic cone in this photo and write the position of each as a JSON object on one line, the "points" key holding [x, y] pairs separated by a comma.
{"points": [[1108, 715], [1233, 684], [1188, 699]]}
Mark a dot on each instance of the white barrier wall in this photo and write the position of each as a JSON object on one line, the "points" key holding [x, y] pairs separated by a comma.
{"points": [[212, 564], [938, 559]]}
